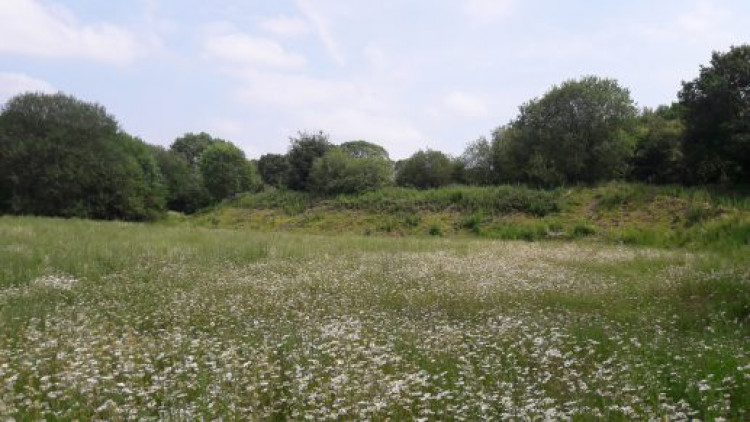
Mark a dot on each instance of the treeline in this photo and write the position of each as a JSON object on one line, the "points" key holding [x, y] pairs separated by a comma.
{"points": [[60, 156]]}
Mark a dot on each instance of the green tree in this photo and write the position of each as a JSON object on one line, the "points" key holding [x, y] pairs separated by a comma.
{"points": [[185, 190], [716, 111], [273, 169], [364, 149], [191, 146], [65, 157], [302, 153], [225, 170], [477, 165], [658, 152], [425, 169], [577, 132], [353, 167]]}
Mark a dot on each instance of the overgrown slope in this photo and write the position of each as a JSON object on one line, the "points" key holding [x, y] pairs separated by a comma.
{"points": [[664, 216]]}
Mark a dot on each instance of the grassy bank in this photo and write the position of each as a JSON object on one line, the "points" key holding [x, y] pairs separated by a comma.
{"points": [[658, 216], [114, 321]]}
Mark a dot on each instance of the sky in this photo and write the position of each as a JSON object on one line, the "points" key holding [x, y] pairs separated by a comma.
{"points": [[405, 74]]}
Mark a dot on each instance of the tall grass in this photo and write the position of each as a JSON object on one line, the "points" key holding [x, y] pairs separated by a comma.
{"points": [[133, 321]]}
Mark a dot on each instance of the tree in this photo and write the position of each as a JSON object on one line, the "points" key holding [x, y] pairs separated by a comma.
{"points": [[658, 154], [273, 169], [225, 170], [65, 157], [425, 169], [477, 166], [364, 149], [185, 190], [353, 167], [191, 146], [302, 153], [577, 132], [716, 111]]}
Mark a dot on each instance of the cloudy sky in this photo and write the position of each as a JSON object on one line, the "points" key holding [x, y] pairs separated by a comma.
{"points": [[406, 74]]}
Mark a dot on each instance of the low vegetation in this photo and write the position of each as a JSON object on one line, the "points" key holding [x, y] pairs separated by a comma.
{"points": [[120, 320], [638, 214]]}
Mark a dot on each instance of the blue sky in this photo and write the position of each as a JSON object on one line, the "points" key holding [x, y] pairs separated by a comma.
{"points": [[407, 74]]}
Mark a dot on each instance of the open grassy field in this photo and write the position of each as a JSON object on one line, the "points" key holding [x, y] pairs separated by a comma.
{"points": [[115, 321]]}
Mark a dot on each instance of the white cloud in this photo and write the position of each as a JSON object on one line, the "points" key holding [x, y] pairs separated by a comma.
{"points": [[484, 12], [323, 31], [28, 27], [285, 26], [227, 128], [705, 16], [466, 105], [244, 49], [375, 56], [12, 84], [293, 91]]}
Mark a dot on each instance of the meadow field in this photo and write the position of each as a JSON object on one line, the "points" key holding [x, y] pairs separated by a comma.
{"points": [[109, 320]]}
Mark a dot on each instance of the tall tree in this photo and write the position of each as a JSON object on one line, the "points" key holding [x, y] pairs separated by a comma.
{"points": [[658, 154], [302, 153], [364, 149], [185, 190], [577, 132], [478, 167], [273, 169], [191, 146], [716, 108], [65, 157], [225, 170]]}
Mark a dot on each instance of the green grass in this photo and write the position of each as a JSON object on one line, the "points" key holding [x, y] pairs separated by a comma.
{"points": [[102, 320], [659, 216]]}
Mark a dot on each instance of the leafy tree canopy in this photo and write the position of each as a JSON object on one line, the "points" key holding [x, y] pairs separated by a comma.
{"points": [[65, 157], [273, 169], [225, 170], [304, 149], [425, 169], [577, 132], [191, 146], [364, 149], [716, 110], [340, 171]]}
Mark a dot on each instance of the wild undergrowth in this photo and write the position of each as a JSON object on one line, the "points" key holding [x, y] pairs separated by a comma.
{"points": [[115, 321], [635, 214]]}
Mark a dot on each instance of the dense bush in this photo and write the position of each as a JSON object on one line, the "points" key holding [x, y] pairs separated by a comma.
{"points": [[425, 169], [345, 169], [302, 153], [65, 157], [716, 110], [577, 132]]}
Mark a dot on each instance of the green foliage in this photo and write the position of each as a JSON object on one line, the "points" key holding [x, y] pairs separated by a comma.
{"points": [[577, 132], [435, 230], [658, 154], [716, 108], [302, 153], [350, 170], [473, 222], [273, 169], [477, 164], [424, 170], [225, 170], [500, 200], [64, 157], [185, 190], [191, 146], [364, 149]]}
